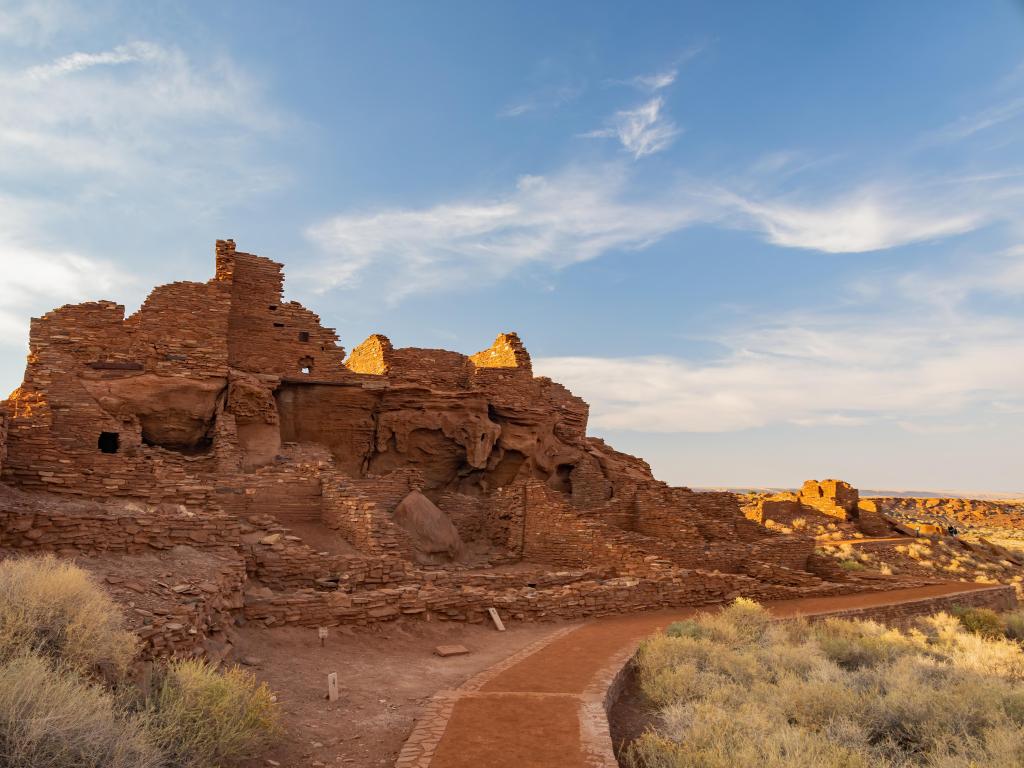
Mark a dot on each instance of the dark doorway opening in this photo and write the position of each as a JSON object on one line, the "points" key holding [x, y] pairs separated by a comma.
{"points": [[109, 442]]}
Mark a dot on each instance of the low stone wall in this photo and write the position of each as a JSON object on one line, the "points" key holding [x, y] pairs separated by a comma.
{"points": [[286, 565], [52, 530], [577, 599], [998, 597]]}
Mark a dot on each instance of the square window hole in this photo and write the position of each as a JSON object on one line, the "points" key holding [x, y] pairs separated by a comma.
{"points": [[109, 442]]}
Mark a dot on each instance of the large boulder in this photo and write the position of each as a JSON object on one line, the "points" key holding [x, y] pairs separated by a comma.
{"points": [[435, 539]]}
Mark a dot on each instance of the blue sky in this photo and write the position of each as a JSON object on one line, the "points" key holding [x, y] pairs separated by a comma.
{"points": [[766, 241]]}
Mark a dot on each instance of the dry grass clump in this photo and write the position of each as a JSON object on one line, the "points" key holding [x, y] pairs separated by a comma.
{"points": [[202, 718], [60, 636], [52, 718], [736, 688], [53, 608]]}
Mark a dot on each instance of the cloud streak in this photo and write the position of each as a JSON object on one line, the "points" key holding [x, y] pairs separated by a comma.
{"points": [[870, 219], [76, 62], [552, 221], [544, 99], [655, 81], [642, 131], [130, 114]]}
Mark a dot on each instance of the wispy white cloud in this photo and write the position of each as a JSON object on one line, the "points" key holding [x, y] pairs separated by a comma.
{"points": [[897, 361], [549, 98], [133, 114], [663, 78], [76, 62], [870, 219], [642, 131], [554, 221], [581, 214], [991, 116], [655, 81]]}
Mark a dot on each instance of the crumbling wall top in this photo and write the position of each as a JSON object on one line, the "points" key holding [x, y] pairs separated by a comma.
{"points": [[507, 351], [373, 356]]}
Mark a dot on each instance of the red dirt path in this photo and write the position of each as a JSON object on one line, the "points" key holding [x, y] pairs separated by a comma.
{"points": [[855, 542], [528, 716]]}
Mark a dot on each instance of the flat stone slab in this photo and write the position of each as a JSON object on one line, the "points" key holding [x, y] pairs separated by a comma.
{"points": [[451, 650]]}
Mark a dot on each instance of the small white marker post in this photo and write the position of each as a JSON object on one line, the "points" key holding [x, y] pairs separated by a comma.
{"points": [[332, 686], [496, 619], [321, 632]]}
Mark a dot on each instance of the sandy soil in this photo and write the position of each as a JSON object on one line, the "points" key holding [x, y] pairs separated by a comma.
{"points": [[385, 678]]}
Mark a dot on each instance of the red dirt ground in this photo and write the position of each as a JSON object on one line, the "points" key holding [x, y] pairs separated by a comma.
{"points": [[385, 677]]}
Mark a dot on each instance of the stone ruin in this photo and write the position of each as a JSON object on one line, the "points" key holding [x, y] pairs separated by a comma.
{"points": [[220, 432]]}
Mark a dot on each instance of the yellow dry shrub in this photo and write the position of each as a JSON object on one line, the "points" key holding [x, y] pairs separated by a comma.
{"points": [[202, 718], [54, 608], [51, 717], [835, 694]]}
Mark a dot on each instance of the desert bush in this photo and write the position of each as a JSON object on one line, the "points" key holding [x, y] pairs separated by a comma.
{"points": [[855, 644], [1014, 624], [684, 628], [57, 627], [832, 693], [202, 718], [50, 717], [980, 621], [54, 608], [851, 565]]}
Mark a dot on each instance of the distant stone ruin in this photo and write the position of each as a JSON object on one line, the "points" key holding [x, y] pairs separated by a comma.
{"points": [[221, 419]]}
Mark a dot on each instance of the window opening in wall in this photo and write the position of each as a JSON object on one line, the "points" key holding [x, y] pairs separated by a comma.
{"points": [[109, 442], [272, 306], [306, 365], [279, 325], [303, 335]]}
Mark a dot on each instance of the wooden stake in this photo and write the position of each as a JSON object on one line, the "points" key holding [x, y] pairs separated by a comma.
{"points": [[332, 686], [321, 632], [496, 619]]}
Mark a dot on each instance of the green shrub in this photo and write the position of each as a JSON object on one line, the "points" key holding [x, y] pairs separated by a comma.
{"points": [[50, 717], [54, 608], [202, 718], [852, 565], [980, 621]]}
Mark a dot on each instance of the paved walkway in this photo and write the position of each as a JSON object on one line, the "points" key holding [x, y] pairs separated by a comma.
{"points": [[544, 707]]}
